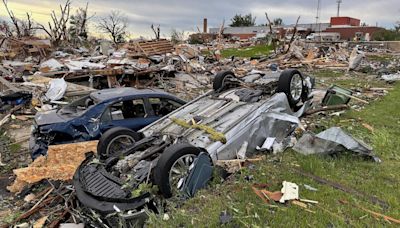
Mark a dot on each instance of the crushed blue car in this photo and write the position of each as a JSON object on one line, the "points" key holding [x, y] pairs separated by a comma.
{"points": [[89, 117]]}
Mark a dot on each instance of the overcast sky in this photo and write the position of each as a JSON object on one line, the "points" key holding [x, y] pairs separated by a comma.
{"points": [[187, 14]]}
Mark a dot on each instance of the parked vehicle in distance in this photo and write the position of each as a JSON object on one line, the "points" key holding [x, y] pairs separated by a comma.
{"points": [[324, 37], [89, 117]]}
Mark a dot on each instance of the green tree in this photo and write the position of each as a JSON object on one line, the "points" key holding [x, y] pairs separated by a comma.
{"points": [[243, 21], [387, 35]]}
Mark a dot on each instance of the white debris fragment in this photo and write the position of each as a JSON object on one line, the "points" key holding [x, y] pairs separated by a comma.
{"points": [[51, 65], [165, 217], [308, 187], [355, 59], [57, 89], [267, 145], [391, 77], [290, 191]]}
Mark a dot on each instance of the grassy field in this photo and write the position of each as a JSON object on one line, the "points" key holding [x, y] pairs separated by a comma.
{"points": [[247, 52], [235, 195]]}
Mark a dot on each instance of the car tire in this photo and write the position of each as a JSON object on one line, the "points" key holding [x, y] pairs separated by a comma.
{"points": [[110, 136], [219, 80], [289, 83], [165, 163]]}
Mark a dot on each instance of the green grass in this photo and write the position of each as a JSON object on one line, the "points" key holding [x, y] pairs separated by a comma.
{"points": [[247, 52], [380, 58], [380, 180]]}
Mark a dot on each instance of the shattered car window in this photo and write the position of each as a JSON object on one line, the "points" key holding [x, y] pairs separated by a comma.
{"points": [[78, 107], [125, 110], [163, 106]]}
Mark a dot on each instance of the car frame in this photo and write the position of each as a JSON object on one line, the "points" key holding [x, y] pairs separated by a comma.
{"points": [[212, 125]]}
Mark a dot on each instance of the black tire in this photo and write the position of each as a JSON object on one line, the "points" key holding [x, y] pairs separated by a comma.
{"points": [[284, 86], [165, 162], [109, 136], [219, 80]]}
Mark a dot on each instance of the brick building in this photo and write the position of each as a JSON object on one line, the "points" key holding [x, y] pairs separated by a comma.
{"points": [[350, 29]]}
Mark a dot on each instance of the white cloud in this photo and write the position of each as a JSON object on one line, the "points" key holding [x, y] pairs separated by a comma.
{"points": [[187, 14]]}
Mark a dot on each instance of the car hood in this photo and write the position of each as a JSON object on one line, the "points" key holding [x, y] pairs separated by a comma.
{"points": [[50, 117]]}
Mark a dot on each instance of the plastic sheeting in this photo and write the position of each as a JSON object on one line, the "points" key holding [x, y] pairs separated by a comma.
{"points": [[355, 59], [332, 141], [57, 89]]}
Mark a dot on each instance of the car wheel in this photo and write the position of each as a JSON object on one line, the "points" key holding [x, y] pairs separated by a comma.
{"points": [[291, 83], [116, 140], [221, 79], [173, 167]]}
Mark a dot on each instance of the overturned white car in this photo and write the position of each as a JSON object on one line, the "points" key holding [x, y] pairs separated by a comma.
{"points": [[176, 153]]}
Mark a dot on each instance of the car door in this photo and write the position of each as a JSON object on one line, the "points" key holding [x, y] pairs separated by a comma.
{"points": [[129, 113]]}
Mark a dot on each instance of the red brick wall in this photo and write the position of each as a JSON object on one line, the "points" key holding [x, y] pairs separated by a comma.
{"points": [[345, 21], [350, 32]]}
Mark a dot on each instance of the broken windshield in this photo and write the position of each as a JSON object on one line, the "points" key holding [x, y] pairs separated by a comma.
{"points": [[77, 107]]}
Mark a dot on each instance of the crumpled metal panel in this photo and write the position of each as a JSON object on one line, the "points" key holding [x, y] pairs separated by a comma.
{"points": [[200, 174], [274, 118], [238, 121], [332, 141]]}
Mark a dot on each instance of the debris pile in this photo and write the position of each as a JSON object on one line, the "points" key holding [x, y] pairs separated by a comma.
{"points": [[259, 118]]}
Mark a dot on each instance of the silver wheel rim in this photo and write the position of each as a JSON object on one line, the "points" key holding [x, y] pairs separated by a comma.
{"points": [[296, 87], [179, 171], [119, 143]]}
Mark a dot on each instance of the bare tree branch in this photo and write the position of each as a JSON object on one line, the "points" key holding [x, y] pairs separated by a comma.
{"points": [[156, 31], [115, 25], [271, 33], [57, 27], [293, 35]]}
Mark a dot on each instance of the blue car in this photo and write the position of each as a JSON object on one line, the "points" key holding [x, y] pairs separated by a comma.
{"points": [[89, 117]]}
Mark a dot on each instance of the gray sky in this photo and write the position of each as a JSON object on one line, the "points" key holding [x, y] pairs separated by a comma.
{"points": [[186, 15]]}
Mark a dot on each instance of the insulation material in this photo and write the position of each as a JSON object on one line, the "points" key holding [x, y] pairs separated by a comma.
{"points": [[60, 164]]}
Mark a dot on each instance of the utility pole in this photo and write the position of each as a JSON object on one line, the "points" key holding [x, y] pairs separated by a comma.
{"points": [[338, 7], [318, 12], [317, 23]]}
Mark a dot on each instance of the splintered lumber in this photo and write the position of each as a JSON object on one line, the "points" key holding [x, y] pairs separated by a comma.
{"points": [[6, 85], [152, 47]]}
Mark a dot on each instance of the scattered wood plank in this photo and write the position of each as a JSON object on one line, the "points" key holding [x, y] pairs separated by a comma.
{"points": [[376, 214], [327, 108], [341, 187], [152, 47]]}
